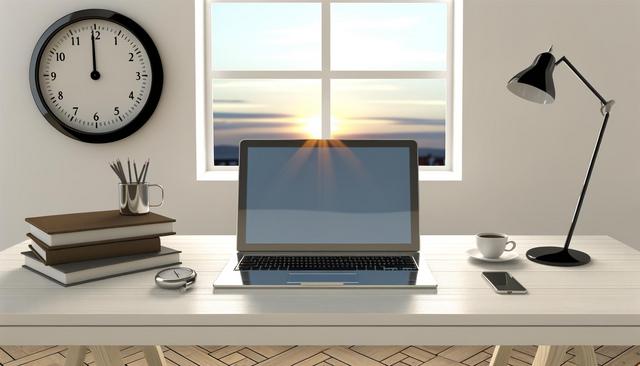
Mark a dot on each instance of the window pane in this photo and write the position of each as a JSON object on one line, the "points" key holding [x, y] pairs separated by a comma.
{"points": [[276, 36], [262, 109], [404, 36], [392, 109]]}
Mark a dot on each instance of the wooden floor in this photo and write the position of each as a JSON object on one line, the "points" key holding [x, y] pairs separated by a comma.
{"points": [[320, 355]]}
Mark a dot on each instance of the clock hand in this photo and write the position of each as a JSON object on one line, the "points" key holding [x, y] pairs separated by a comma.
{"points": [[177, 275], [95, 75]]}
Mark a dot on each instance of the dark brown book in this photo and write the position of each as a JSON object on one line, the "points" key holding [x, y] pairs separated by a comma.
{"points": [[77, 253], [89, 227], [68, 223]]}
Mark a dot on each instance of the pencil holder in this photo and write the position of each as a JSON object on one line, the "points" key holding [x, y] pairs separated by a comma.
{"points": [[134, 198]]}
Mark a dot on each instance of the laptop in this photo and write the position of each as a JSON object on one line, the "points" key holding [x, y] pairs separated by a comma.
{"points": [[327, 213]]}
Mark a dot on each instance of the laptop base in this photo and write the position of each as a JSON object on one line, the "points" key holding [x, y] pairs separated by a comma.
{"points": [[231, 278]]}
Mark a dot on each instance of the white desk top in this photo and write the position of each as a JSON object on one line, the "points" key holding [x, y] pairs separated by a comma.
{"points": [[596, 303]]}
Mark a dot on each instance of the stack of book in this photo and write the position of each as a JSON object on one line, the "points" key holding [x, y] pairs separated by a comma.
{"points": [[81, 247]]}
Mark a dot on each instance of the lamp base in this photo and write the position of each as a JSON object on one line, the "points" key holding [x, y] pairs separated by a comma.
{"points": [[557, 256]]}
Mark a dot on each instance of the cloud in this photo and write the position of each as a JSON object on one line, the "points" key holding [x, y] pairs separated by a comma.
{"points": [[434, 140], [236, 125], [407, 121], [231, 138], [412, 135], [255, 86], [410, 102], [246, 115], [363, 85], [230, 101]]}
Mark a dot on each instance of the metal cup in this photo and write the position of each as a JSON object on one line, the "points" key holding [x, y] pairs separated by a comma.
{"points": [[134, 198]]}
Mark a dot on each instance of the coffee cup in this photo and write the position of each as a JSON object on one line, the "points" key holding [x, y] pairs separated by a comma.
{"points": [[492, 245]]}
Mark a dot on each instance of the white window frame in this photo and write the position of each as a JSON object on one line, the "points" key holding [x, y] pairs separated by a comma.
{"points": [[206, 171]]}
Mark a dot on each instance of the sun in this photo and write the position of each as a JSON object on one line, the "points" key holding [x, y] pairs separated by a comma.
{"points": [[312, 126]]}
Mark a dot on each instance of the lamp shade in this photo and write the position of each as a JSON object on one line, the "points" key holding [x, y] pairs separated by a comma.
{"points": [[535, 83]]}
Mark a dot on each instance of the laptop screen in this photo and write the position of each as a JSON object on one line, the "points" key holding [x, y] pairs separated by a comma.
{"points": [[335, 194]]}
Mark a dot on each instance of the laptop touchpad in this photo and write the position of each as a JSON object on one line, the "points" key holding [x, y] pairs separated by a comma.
{"points": [[322, 278]]}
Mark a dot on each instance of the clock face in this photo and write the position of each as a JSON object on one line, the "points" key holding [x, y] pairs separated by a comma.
{"points": [[97, 76]]}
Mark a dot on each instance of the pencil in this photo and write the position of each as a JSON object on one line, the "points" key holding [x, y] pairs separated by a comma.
{"points": [[111, 166], [146, 170], [121, 171], [135, 170], [114, 167], [129, 164]]}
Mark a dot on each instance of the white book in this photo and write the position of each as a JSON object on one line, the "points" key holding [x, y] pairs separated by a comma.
{"points": [[101, 235], [80, 272]]}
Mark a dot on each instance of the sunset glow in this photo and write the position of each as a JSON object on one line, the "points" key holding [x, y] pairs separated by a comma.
{"points": [[287, 37]]}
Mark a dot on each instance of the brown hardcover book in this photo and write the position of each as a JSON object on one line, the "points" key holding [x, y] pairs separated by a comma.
{"points": [[78, 253], [68, 223], [86, 227]]}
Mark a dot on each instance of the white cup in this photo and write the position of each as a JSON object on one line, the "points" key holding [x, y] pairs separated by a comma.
{"points": [[492, 245]]}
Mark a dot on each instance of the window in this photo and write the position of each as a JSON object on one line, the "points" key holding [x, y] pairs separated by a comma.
{"points": [[346, 69]]}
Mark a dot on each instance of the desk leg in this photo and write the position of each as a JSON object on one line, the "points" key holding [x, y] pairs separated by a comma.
{"points": [[549, 355], [500, 356], [154, 356], [585, 356], [107, 355], [75, 355]]}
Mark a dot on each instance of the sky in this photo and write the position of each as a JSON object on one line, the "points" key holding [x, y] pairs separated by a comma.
{"points": [[287, 36]]}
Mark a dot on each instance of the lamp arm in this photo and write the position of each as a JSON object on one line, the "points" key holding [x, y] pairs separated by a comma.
{"points": [[583, 193], [606, 104], [605, 109]]}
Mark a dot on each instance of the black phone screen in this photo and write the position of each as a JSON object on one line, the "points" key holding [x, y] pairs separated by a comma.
{"points": [[503, 281]]}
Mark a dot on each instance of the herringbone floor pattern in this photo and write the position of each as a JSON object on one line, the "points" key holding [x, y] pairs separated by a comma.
{"points": [[317, 355]]}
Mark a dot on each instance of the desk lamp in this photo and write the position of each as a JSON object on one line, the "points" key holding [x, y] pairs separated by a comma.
{"points": [[535, 84]]}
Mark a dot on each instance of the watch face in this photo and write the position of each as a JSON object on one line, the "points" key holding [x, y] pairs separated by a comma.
{"points": [[179, 273], [97, 76]]}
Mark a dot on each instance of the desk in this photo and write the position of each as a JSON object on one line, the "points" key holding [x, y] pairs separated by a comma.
{"points": [[595, 304]]}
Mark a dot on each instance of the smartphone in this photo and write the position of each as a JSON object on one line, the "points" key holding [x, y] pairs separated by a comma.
{"points": [[504, 283]]}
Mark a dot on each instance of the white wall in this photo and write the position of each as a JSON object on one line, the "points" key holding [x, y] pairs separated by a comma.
{"points": [[522, 165]]}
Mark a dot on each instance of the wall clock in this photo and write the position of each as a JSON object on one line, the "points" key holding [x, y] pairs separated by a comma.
{"points": [[96, 76]]}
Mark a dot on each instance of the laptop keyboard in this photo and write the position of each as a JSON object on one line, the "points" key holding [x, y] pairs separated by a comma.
{"points": [[327, 263]]}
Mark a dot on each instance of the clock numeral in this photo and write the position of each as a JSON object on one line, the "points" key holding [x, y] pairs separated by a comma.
{"points": [[138, 77], [60, 96], [97, 35], [53, 75], [116, 111], [96, 117], [75, 41], [131, 95], [60, 56], [130, 57], [115, 40], [75, 111]]}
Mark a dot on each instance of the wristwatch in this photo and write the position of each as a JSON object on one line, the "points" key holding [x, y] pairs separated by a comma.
{"points": [[176, 277]]}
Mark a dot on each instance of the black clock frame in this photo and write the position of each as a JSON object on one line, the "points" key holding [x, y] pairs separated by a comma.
{"points": [[156, 80]]}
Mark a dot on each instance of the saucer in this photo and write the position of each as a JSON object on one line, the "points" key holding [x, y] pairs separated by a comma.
{"points": [[505, 257]]}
